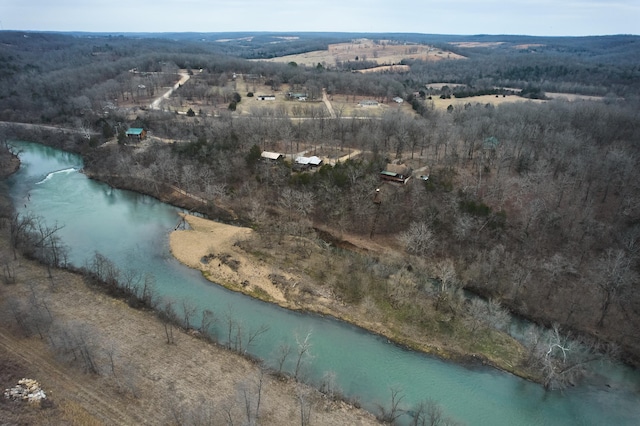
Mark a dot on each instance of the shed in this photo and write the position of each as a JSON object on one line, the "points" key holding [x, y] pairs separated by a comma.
{"points": [[271, 156], [136, 133]]}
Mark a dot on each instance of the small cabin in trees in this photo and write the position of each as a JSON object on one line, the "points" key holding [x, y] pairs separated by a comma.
{"points": [[396, 173], [136, 134]]}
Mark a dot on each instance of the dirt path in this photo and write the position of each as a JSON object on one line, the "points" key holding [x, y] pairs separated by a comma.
{"points": [[184, 77], [326, 101]]}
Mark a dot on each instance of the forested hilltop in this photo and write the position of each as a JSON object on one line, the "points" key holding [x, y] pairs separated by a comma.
{"points": [[524, 153]]}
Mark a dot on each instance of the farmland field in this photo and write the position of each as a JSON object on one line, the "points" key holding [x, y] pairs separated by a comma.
{"points": [[382, 52]]}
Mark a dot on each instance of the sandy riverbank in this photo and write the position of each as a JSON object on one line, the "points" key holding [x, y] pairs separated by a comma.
{"points": [[210, 247], [213, 248]]}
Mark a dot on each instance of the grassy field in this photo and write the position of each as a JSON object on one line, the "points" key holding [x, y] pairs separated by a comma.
{"points": [[383, 53], [483, 100]]}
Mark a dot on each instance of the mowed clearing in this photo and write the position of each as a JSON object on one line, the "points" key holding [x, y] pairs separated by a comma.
{"points": [[384, 52], [483, 100]]}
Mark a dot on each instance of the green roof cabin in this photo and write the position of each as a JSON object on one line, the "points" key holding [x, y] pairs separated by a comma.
{"points": [[136, 133]]}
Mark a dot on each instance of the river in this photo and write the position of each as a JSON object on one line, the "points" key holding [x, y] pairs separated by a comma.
{"points": [[132, 230]]}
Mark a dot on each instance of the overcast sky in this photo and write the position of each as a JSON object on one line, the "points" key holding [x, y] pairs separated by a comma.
{"points": [[529, 17]]}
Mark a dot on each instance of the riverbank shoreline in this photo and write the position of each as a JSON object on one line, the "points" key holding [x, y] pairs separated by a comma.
{"points": [[214, 249]]}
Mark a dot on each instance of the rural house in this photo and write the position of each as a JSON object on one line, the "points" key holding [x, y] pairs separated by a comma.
{"points": [[266, 97], [298, 96], [136, 133], [303, 163], [396, 173]]}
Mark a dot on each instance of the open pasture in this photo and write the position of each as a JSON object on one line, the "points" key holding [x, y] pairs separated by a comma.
{"points": [[383, 52]]}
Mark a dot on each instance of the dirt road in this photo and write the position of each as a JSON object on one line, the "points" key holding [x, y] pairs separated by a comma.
{"points": [[184, 77], [327, 103]]}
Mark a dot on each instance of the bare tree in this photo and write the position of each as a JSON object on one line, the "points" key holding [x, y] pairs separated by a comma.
{"points": [[391, 414], [207, 321], [303, 348], [282, 353], [231, 325], [251, 394], [304, 399], [329, 385], [560, 359], [104, 269], [147, 292], [78, 343], [188, 311], [169, 318], [449, 294], [429, 413], [253, 334], [614, 276], [418, 239]]}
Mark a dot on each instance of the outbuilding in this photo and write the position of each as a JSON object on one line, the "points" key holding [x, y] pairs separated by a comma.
{"points": [[136, 133], [271, 156]]}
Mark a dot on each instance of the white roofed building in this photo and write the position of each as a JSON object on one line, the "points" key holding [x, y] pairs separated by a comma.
{"points": [[273, 156]]}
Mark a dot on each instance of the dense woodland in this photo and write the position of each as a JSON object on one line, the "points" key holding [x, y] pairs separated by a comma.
{"points": [[544, 220]]}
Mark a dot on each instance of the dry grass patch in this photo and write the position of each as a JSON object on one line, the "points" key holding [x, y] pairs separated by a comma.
{"points": [[384, 52], [386, 68], [482, 100], [349, 106]]}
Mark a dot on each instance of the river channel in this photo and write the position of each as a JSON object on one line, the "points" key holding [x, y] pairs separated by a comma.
{"points": [[132, 230]]}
